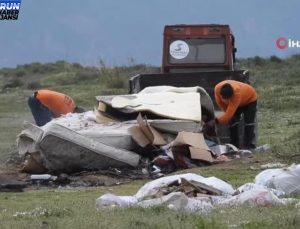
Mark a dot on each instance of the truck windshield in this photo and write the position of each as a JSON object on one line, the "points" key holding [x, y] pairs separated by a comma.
{"points": [[199, 50]]}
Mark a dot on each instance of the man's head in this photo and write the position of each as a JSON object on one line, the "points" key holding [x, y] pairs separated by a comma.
{"points": [[226, 91]]}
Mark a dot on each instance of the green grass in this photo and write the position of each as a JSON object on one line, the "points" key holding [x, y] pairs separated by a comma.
{"points": [[76, 209], [277, 83]]}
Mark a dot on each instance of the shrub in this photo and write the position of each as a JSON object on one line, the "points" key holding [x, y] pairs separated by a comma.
{"points": [[33, 85], [111, 77], [20, 73], [259, 61], [275, 59], [77, 66], [13, 83], [83, 76]]}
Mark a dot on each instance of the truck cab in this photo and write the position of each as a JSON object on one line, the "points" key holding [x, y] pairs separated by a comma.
{"points": [[196, 48]]}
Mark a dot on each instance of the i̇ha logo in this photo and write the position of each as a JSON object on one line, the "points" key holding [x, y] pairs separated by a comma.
{"points": [[9, 9], [283, 43]]}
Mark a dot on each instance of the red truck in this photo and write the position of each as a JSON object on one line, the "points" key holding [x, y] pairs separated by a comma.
{"points": [[195, 55], [195, 48]]}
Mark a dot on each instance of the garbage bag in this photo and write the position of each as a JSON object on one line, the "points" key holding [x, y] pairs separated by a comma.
{"points": [[286, 179], [109, 201]]}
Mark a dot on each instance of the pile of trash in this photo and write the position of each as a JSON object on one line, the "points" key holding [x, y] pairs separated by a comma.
{"points": [[194, 193], [159, 130]]}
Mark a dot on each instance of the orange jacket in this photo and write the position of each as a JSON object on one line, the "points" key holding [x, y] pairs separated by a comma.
{"points": [[56, 102], [243, 94]]}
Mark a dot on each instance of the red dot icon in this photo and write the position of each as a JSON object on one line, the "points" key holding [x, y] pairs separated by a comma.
{"points": [[281, 43]]}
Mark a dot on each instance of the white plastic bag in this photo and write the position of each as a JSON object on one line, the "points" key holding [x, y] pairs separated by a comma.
{"points": [[174, 200], [109, 201], [252, 186], [179, 201], [286, 180], [256, 197]]}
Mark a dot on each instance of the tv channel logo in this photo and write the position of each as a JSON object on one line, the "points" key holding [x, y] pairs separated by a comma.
{"points": [[9, 9], [283, 43]]}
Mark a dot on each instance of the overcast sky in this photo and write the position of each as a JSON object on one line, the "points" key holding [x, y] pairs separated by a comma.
{"points": [[115, 31]]}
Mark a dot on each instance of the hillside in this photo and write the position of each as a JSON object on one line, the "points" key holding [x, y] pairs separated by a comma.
{"points": [[278, 84]]}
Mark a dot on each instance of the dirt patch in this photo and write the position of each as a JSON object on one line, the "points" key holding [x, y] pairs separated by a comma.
{"points": [[11, 180]]}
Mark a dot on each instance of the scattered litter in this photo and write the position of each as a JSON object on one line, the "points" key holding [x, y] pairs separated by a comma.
{"points": [[125, 130], [223, 149], [38, 211], [194, 193], [255, 197], [263, 149], [43, 177], [179, 201], [222, 158], [273, 165], [244, 152], [152, 188], [252, 186], [110, 201]]}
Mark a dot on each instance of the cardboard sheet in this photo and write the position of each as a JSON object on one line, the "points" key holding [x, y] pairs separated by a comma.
{"points": [[191, 139], [201, 154], [197, 147], [144, 134]]}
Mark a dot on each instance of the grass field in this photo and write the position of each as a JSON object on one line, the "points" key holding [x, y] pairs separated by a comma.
{"points": [[277, 82]]}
